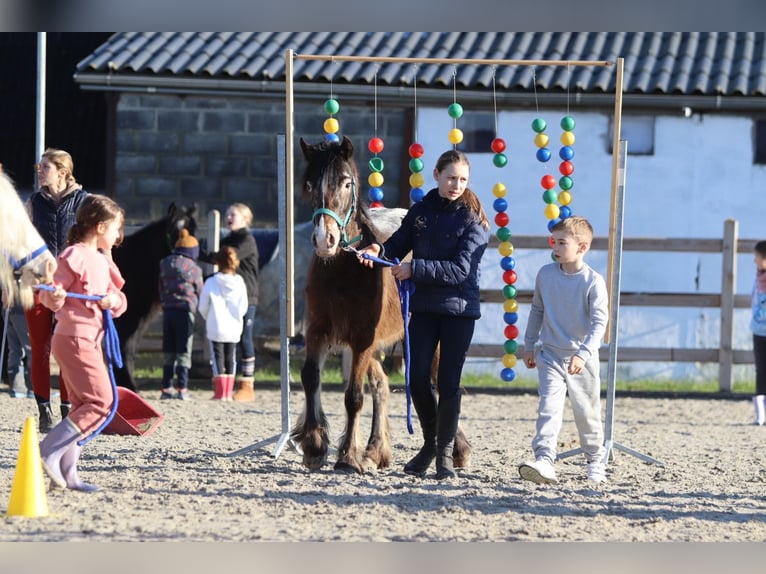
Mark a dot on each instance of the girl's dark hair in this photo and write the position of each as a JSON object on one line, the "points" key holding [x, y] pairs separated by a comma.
{"points": [[227, 260], [95, 209], [760, 248], [469, 198]]}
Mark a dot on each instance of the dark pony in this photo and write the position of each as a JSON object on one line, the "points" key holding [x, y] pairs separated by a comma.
{"points": [[139, 261], [349, 304]]}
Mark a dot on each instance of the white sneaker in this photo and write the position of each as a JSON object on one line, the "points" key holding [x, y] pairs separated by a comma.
{"points": [[541, 471], [597, 471]]}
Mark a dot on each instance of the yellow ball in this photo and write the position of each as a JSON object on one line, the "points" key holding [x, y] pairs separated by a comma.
{"points": [[331, 126], [510, 305], [375, 179], [455, 136], [565, 198], [505, 248], [541, 140], [417, 180], [499, 190], [509, 360], [567, 138], [552, 211]]}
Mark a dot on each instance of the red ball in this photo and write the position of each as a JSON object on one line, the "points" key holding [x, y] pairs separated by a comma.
{"points": [[376, 204], [551, 241], [375, 145], [548, 181], [501, 219], [498, 145], [566, 168], [509, 277], [416, 150], [511, 332]]}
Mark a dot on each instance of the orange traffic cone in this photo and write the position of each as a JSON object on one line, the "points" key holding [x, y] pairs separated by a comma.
{"points": [[28, 497]]}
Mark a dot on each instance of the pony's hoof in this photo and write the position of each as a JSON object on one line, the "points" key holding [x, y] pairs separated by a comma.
{"points": [[348, 468]]}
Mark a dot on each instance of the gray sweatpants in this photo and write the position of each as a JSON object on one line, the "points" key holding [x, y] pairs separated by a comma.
{"points": [[584, 395]]}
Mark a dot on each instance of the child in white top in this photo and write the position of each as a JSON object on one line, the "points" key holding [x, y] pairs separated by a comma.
{"points": [[223, 304]]}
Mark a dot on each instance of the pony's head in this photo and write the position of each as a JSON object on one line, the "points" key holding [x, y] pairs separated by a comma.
{"points": [[24, 258], [179, 218], [331, 182]]}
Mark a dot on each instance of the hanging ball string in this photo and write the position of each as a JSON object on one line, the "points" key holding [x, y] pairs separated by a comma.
{"points": [[376, 165], [416, 151], [331, 107], [455, 111]]}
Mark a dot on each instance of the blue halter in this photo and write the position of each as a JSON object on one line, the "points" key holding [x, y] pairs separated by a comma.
{"points": [[19, 263]]}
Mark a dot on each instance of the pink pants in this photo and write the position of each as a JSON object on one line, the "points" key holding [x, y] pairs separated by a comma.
{"points": [[90, 391], [40, 325]]}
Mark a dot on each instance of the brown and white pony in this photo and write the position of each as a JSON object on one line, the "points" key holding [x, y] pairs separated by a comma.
{"points": [[348, 304], [24, 258]]}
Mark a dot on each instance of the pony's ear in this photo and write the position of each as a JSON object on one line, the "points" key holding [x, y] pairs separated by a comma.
{"points": [[346, 148], [192, 211], [308, 150], [172, 208]]}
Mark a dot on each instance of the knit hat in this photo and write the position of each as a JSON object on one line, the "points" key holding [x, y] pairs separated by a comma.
{"points": [[187, 244]]}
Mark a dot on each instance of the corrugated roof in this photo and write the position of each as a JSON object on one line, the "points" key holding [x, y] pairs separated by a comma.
{"points": [[694, 63]]}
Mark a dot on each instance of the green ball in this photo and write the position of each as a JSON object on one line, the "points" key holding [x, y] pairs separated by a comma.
{"points": [[550, 196], [455, 110], [510, 346], [566, 183], [331, 106], [567, 123], [509, 291], [500, 160], [416, 165], [503, 234], [376, 164], [539, 125]]}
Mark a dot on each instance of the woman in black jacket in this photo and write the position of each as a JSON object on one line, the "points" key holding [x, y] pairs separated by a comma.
{"points": [[447, 233]]}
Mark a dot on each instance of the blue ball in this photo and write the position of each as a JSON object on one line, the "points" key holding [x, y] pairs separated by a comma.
{"points": [[543, 154], [510, 318], [565, 211], [500, 204], [375, 194], [553, 222], [507, 263], [417, 194], [332, 138], [566, 153], [507, 375]]}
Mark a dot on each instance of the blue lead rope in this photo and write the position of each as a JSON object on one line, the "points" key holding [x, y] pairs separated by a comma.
{"points": [[111, 352], [406, 288]]}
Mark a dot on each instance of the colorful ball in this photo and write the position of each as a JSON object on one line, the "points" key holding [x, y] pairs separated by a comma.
{"points": [[507, 263], [331, 125], [332, 138], [509, 360], [416, 150], [375, 179], [550, 196], [566, 183], [565, 212], [567, 138], [539, 125], [507, 375], [376, 204], [497, 145], [509, 291], [500, 160], [455, 110], [548, 181], [552, 223], [551, 211], [331, 106], [499, 190], [565, 198], [376, 164], [541, 140], [510, 346], [503, 234], [500, 204], [375, 194], [551, 241], [510, 277], [505, 248], [510, 318], [501, 219], [510, 306], [543, 154], [566, 153], [567, 123], [511, 331], [455, 136], [375, 145], [417, 180], [566, 168], [417, 194], [416, 165]]}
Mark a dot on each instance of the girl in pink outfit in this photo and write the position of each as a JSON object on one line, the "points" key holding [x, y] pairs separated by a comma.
{"points": [[85, 267]]}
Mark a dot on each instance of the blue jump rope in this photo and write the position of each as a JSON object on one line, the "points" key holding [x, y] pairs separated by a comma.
{"points": [[406, 288], [111, 352]]}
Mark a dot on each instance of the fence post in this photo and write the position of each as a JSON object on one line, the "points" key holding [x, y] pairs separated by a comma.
{"points": [[728, 288]]}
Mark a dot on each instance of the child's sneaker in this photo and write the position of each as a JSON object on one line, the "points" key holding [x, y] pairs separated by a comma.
{"points": [[183, 394], [597, 471], [166, 395], [541, 471]]}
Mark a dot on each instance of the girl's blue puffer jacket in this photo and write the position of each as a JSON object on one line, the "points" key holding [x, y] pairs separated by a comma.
{"points": [[447, 243]]}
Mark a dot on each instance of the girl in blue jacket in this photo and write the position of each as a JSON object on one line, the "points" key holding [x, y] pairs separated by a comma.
{"points": [[447, 233]]}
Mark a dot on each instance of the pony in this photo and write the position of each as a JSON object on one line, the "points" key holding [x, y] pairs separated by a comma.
{"points": [[138, 259], [25, 260], [348, 304]]}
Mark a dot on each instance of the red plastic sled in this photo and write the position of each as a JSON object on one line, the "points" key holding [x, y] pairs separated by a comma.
{"points": [[134, 415]]}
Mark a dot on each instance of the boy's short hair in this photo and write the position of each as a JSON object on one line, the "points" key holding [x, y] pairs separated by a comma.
{"points": [[760, 248], [577, 226]]}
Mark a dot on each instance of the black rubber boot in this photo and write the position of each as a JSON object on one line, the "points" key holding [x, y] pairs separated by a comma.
{"points": [[65, 408], [425, 406], [449, 414], [46, 417]]}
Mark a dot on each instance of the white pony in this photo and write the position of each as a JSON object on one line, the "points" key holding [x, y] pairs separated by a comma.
{"points": [[23, 254]]}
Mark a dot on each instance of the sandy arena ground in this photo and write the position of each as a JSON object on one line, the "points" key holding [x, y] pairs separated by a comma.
{"points": [[178, 484]]}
